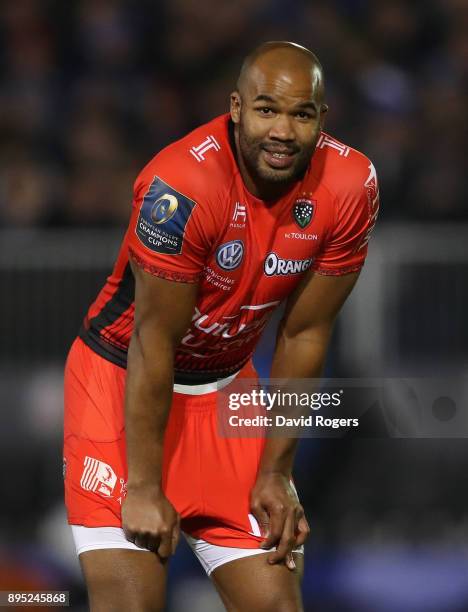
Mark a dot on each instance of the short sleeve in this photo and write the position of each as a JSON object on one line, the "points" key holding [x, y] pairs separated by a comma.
{"points": [[167, 236], [356, 208]]}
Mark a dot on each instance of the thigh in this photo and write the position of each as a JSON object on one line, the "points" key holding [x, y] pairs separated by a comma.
{"points": [[120, 580], [209, 477], [95, 470], [251, 584]]}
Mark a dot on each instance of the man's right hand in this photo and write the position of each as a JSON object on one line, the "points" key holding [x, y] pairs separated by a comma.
{"points": [[150, 521]]}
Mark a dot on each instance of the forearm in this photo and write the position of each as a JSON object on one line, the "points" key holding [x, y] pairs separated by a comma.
{"points": [[301, 356], [148, 396]]}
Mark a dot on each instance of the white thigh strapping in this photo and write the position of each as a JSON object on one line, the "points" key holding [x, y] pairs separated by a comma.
{"points": [[97, 538], [212, 556], [209, 555]]}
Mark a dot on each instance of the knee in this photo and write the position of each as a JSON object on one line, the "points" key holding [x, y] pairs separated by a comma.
{"points": [[115, 597], [291, 607], [285, 605], [118, 580], [282, 602]]}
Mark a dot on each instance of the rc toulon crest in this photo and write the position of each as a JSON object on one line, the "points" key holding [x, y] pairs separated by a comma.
{"points": [[303, 211]]}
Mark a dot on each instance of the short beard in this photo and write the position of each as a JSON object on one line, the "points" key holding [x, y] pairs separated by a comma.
{"points": [[251, 151]]}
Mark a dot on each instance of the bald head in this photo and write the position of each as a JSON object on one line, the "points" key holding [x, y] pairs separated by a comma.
{"points": [[277, 112], [282, 58]]}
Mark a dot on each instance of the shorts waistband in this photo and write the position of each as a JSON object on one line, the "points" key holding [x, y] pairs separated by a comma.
{"points": [[205, 388]]}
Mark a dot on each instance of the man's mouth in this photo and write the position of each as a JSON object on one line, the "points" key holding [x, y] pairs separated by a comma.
{"points": [[279, 157]]}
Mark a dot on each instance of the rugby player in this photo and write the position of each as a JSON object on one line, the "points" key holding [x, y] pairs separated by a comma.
{"points": [[250, 209]]}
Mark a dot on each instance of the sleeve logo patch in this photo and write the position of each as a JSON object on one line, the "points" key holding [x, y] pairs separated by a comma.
{"points": [[163, 216], [164, 208]]}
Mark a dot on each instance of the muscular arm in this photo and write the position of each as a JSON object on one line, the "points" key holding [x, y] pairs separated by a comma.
{"points": [[301, 347], [163, 310]]}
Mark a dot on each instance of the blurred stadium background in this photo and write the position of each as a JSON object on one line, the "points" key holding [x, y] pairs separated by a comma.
{"points": [[89, 91]]}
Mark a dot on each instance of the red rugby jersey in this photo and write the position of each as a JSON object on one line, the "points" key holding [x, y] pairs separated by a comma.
{"points": [[193, 220]]}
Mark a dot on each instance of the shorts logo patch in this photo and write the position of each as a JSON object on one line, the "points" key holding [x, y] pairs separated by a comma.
{"points": [[229, 255], [163, 216], [98, 477], [303, 211]]}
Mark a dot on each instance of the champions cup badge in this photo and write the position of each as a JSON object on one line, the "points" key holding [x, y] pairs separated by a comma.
{"points": [[303, 212], [164, 208]]}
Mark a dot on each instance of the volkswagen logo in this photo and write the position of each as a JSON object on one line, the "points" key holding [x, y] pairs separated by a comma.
{"points": [[229, 255]]}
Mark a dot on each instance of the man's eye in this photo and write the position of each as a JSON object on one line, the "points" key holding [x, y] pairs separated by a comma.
{"points": [[265, 110], [303, 115]]}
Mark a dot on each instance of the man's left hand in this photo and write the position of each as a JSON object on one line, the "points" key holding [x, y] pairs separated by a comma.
{"points": [[281, 517]]}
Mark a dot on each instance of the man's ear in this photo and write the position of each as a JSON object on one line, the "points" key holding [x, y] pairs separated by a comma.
{"points": [[235, 106], [323, 112]]}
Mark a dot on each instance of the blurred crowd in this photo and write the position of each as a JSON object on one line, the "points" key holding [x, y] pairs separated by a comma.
{"points": [[91, 89]]}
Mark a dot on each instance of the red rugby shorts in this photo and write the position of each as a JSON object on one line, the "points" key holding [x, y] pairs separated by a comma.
{"points": [[207, 478]]}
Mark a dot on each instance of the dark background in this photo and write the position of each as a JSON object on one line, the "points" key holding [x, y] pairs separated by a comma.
{"points": [[89, 92]]}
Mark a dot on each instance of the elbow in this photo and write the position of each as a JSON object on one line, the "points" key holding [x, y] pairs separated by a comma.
{"points": [[315, 334], [150, 344]]}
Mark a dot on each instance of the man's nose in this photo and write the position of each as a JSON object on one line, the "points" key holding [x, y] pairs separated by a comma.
{"points": [[281, 128]]}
